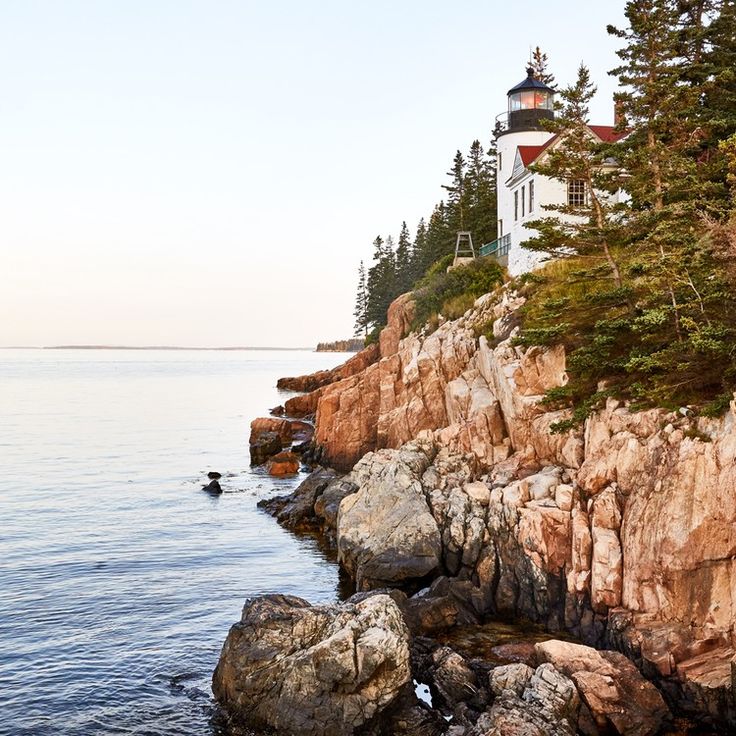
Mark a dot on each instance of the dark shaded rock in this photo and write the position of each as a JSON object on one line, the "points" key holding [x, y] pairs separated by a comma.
{"points": [[213, 487], [214, 475], [285, 463], [265, 446], [301, 447], [429, 614], [468, 598], [313, 670], [277, 411], [328, 504], [521, 652], [296, 510], [409, 717], [454, 681]]}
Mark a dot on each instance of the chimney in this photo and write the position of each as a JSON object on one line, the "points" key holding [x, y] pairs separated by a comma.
{"points": [[619, 117]]}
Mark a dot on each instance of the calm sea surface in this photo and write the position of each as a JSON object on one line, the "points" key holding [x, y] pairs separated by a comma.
{"points": [[119, 576]]}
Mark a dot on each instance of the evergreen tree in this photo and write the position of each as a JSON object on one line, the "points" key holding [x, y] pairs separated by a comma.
{"points": [[404, 280], [440, 235], [480, 186], [539, 65], [716, 80], [584, 226], [419, 252], [456, 194], [656, 155], [361, 305], [378, 284]]}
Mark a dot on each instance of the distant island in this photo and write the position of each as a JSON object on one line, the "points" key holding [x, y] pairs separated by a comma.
{"points": [[155, 347], [353, 345]]}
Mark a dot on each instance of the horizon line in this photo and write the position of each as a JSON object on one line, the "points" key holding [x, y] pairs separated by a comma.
{"points": [[146, 347]]}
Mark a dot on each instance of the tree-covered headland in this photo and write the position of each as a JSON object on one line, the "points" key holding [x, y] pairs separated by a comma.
{"points": [[642, 292]]}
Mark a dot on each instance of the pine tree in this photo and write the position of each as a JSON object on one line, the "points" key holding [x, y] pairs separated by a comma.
{"points": [[659, 156], [539, 65], [381, 282], [716, 79], [456, 194], [404, 280], [419, 252], [480, 185], [584, 227], [440, 235], [656, 155], [361, 304]]}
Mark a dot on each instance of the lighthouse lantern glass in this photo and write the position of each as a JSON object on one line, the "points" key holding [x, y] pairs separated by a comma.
{"points": [[530, 100]]}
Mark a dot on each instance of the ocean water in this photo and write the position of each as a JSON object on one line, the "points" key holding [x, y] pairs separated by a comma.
{"points": [[119, 576]]}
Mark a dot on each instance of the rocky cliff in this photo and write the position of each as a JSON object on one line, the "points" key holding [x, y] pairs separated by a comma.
{"points": [[622, 532]]}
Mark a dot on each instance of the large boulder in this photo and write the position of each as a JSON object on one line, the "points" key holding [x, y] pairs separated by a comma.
{"points": [[536, 703], [619, 698], [313, 670], [386, 534]]}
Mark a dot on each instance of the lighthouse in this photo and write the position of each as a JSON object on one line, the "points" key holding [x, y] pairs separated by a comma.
{"points": [[522, 193], [520, 140]]}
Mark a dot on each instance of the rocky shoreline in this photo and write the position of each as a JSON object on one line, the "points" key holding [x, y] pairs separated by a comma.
{"points": [[457, 504]]}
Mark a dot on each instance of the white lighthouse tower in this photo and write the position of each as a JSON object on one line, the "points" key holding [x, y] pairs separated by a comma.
{"points": [[521, 140]]}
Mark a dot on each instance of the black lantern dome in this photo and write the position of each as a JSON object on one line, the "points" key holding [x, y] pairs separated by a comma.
{"points": [[530, 102]]}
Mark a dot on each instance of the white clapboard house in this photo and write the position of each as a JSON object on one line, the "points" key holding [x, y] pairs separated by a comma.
{"points": [[522, 141]]}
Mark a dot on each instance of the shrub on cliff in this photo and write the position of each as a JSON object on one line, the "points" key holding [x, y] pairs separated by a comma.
{"points": [[447, 292]]}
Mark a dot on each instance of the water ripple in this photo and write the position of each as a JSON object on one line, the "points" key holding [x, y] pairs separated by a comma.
{"points": [[119, 578]]}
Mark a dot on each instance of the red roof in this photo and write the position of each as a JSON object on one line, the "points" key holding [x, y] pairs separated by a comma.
{"points": [[607, 133], [529, 153]]}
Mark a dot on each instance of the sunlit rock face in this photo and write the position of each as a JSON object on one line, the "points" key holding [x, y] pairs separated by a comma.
{"points": [[313, 670], [623, 532]]}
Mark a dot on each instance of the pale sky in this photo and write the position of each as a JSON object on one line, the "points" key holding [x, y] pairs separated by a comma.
{"points": [[210, 173]]}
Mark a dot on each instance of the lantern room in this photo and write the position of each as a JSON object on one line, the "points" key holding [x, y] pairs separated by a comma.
{"points": [[530, 102]]}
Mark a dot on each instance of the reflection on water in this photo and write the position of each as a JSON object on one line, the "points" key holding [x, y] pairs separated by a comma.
{"points": [[119, 576]]}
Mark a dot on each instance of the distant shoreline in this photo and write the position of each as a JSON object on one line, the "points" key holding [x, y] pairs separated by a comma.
{"points": [[136, 347]]}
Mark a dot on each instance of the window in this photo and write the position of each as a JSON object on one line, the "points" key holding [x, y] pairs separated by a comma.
{"points": [[516, 205], [531, 196], [523, 200], [500, 228], [575, 193], [500, 161]]}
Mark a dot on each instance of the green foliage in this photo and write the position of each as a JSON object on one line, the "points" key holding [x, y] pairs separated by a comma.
{"points": [[642, 294], [372, 336], [635, 355], [360, 312], [441, 288], [470, 205]]}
